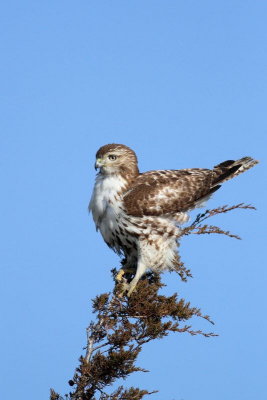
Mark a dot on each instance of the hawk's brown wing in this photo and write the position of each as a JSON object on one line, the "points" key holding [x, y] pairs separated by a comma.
{"points": [[168, 191]]}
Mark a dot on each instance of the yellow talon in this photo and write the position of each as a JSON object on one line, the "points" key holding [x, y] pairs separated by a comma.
{"points": [[120, 275], [122, 282], [131, 289], [123, 271], [122, 289]]}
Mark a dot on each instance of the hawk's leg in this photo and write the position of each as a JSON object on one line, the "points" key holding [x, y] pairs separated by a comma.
{"points": [[141, 269], [124, 271], [123, 277]]}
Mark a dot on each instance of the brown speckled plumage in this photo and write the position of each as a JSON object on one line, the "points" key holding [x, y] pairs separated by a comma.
{"points": [[138, 213]]}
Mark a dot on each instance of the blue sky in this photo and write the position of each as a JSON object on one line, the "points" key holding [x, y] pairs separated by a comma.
{"points": [[184, 84]]}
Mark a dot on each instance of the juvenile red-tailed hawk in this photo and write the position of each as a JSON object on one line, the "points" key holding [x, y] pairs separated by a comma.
{"points": [[138, 214]]}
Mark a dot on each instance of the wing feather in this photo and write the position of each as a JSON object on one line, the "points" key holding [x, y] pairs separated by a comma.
{"points": [[168, 191]]}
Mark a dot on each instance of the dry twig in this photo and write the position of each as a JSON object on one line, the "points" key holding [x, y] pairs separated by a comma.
{"points": [[123, 326]]}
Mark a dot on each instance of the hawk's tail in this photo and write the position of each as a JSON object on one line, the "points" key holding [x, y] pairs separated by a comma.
{"points": [[229, 169]]}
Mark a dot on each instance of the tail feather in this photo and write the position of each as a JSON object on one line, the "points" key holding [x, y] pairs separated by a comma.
{"points": [[230, 168], [223, 172]]}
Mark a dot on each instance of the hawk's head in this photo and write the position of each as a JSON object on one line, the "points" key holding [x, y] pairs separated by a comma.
{"points": [[116, 159]]}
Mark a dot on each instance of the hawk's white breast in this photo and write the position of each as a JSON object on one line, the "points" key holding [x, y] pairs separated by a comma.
{"points": [[106, 204]]}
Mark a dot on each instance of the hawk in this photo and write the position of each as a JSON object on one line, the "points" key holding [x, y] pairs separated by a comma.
{"points": [[138, 214]]}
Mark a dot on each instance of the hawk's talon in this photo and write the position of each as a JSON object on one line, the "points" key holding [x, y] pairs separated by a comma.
{"points": [[124, 287], [131, 288], [122, 272], [119, 275]]}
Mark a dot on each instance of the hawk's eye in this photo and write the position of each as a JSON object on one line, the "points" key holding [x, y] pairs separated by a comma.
{"points": [[112, 157]]}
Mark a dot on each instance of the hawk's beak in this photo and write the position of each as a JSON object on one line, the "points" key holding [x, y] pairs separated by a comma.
{"points": [[99, 163]]}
